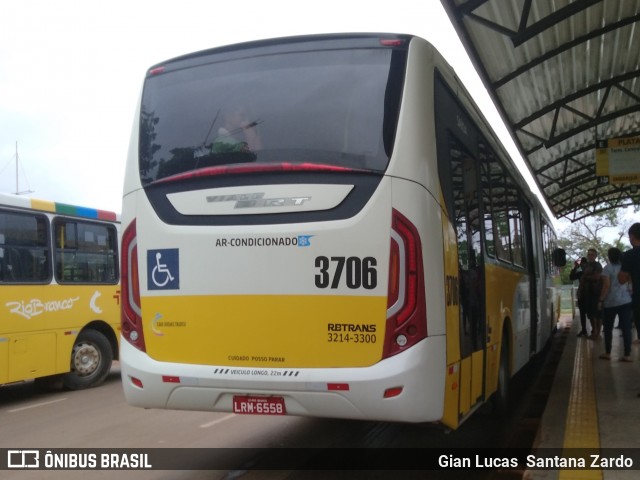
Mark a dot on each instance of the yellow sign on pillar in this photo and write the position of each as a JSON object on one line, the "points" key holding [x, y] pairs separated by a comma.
{"points": [[619, 159]]}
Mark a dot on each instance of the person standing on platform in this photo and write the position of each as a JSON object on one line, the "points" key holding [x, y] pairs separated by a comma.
{"points": [[630, 272], [576, 275], [615, 298], [589, 290]]}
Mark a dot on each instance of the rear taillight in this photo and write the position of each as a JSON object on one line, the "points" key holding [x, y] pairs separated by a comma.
{"points": [[406, 309], [131, 318], [392, 42]]}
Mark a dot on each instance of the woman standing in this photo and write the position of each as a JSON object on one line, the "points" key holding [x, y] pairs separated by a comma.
{"points": [[616, 300]]}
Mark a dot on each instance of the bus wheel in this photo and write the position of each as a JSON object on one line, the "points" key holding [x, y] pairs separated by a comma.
{"points": [[91, 359], [501, 396]]}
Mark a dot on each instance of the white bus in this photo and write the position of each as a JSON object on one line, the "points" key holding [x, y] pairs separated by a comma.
{"points": [[326, 226]]}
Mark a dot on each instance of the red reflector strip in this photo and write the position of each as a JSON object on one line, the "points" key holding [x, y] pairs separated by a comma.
{"points": [[137, 382], [170, 379], [392, 392], [343, 387]]}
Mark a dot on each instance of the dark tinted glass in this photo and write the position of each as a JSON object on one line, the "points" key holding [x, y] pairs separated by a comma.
{"points": [[24, 248], [85, 252], [334, 107]]}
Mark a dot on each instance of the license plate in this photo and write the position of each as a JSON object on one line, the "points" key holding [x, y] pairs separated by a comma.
{"points": [[252, 405]]}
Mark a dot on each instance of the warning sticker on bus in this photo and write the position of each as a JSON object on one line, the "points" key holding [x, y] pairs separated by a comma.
{"points": [[254, 405]]}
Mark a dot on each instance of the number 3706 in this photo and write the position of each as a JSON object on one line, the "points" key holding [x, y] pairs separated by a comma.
{"points": [[356, 272]]}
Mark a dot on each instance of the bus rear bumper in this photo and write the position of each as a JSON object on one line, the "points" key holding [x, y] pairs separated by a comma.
{"points": [[408, 387]]}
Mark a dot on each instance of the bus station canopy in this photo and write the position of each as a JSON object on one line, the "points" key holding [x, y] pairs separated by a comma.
{"points": [[565, 76]]}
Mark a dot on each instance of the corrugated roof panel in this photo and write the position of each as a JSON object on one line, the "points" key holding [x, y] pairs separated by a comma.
{"points": [[563, 74]]}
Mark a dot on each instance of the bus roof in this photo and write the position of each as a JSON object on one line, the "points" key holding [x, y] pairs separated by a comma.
{"points": [[28, 203], [331, 40]]}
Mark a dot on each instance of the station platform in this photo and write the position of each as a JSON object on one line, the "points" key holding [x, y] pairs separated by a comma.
{"points": [[594, 404]]}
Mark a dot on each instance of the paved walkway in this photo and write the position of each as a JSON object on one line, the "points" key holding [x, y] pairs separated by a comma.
{"points": [[594, 404]]}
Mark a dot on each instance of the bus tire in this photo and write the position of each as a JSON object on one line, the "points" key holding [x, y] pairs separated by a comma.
{"points": [[501, 396], [91, 359]]}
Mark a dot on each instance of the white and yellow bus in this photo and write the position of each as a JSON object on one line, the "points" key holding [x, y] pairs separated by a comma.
{"points": [[59, 292], [326, 226]]}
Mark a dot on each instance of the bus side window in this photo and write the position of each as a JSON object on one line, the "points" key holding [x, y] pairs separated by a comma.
{"points": [[24, 256], [85, 252]]}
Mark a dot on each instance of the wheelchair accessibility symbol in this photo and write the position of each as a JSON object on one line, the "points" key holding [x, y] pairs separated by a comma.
{"points": [[163, 269]]}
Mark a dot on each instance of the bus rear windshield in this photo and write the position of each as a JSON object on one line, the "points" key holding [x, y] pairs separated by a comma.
{"points": [[329, 107]]}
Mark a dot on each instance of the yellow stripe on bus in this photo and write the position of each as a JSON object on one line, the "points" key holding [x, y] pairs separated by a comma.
{"points": [[40, 324], [304, 331], [43, 205]]}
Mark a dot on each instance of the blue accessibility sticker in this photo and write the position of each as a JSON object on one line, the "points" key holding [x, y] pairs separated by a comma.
{"points": [[163, 269]]}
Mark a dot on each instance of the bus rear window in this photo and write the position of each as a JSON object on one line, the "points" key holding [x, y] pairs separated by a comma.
{"points": [[330, 107]]}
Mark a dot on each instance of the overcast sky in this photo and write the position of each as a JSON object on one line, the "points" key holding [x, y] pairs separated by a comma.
{"points": [[71, 72]]}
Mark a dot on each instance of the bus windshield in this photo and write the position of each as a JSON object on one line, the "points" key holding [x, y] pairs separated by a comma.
{"points": [[334, 107]]}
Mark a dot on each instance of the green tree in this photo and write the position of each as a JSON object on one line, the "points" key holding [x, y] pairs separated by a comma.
{"points": [[600, 231]]}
